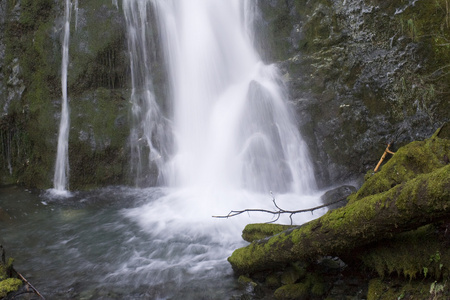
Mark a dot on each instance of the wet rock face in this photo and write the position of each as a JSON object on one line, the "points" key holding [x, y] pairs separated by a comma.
{"points": [[361, 74], [30, 92]]}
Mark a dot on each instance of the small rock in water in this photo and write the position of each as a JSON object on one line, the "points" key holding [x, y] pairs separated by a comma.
{"points": [[336, 194]]}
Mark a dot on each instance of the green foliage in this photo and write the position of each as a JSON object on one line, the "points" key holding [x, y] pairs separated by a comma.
{"points": [[34, 12], [394, 288], [9, 285], [437, 289], [427, 24]]}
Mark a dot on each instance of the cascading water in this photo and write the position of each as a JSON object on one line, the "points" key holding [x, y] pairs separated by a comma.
{"points": [[150, 136], [62, 155], [231, 122], [226, 142]]}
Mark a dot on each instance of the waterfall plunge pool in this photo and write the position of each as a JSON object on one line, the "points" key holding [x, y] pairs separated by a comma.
{"points": [[126, 243]]}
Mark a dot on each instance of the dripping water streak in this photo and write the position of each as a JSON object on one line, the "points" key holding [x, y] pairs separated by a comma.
{"points": [[76, 14], [62, 159]]}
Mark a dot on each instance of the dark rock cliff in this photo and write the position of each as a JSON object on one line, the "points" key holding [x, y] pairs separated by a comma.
{"points": [[361, 73]]}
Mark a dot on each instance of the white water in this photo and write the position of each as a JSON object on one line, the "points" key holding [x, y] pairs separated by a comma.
{"points": [[62, 156], [228, 139], [231, 122]]}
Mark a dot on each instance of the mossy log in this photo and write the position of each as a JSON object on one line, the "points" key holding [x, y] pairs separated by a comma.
{"points": [[422, 200]]}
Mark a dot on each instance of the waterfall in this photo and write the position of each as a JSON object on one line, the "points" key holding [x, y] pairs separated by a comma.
{"points": [[62, 156], [230, 119], [150, 134], [218, 135]]}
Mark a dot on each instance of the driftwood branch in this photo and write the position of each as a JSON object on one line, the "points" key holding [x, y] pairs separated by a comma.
{"points": [[30, 285], [278, 212], [386, 151]]}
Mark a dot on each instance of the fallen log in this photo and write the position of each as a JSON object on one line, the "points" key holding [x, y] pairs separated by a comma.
{"points": [[409, 205]]}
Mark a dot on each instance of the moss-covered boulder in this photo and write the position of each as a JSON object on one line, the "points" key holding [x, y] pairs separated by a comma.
{"points": [[416, 158], [407, 206], [298, 291], [382, 234]]}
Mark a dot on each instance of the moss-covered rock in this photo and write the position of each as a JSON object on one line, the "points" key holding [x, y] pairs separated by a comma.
{"points": [[404, 207], [381, 233], [297, 291], [253, 232], [419, 196], [8, 283], [416, 158]]}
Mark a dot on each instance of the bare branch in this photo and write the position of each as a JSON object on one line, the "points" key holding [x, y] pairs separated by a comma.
{"points": [[278, 212]]}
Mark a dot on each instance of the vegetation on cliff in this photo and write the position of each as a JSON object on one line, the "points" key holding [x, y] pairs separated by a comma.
{"points": [[30, 98]]}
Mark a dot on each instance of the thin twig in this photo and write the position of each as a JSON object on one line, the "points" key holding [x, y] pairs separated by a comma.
{"points": [[280, 211], [30, 285]]}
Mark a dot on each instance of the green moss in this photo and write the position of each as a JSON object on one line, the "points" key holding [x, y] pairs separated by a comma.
{"points": [[313, 285], [376, 289], [290, 276], [407, 205], [411, 254], [254, 232], [407, 163], [34, 11], [296, 291], [9, 285], [27, 48], [319, 289], [272, 281], [245, 280], [428, 22]]}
